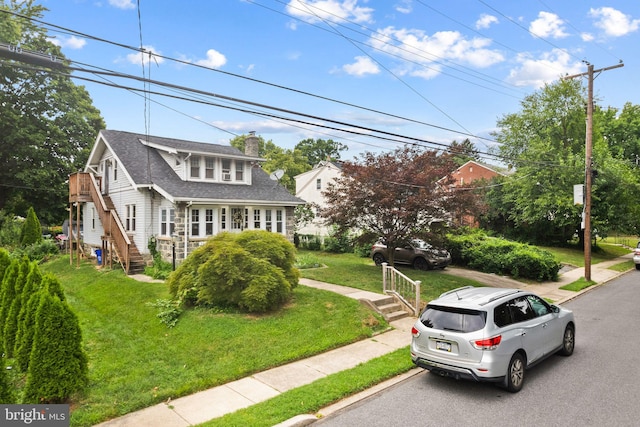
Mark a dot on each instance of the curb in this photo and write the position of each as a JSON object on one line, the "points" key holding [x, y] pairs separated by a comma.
{"points": [[307, 419]]}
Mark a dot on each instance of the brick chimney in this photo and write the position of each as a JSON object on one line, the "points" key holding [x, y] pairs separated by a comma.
{"points": [[251, 144]]}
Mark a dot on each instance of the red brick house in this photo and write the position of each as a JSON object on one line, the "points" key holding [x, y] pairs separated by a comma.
{"points": [[467, 175]]}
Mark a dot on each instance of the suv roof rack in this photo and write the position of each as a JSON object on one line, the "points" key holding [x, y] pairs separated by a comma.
{"points": [[452, 291], [501, 295]]}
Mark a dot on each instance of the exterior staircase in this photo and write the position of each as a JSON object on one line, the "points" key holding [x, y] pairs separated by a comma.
{"points": [[84, 187], [390, 308], [136, 261]]}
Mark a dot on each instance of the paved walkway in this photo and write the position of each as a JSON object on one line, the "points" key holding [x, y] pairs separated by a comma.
{"points": [[218, 401]]}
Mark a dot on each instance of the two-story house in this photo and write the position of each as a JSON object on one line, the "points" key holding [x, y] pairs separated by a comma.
{"points": [[138, 190], [309, 187]]}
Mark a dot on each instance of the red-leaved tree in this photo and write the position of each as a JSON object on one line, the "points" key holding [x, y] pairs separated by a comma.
{"points": [[395, 196]]}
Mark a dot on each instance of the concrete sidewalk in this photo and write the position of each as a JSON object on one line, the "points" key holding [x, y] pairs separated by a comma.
{"points": [[216, 402]]}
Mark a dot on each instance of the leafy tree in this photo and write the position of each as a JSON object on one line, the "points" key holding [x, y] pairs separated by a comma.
{"points": [[545, 142], [394, 196], [621, 129], [320, 149], [464, 151], [47, 123], [58, 366], [31, 231], [292, 162], [252, 270]]}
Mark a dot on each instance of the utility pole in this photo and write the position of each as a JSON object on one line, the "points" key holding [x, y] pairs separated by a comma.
{"points": [[588, 162]]}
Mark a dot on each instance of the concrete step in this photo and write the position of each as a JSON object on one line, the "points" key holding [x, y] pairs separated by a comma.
{"points": [[396, 315], [389, 308]]}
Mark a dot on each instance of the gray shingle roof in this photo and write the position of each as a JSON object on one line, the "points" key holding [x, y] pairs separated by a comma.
{"points": [[146, 167]]}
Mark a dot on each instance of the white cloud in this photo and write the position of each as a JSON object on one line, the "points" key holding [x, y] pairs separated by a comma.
{"points": [[548, 25], [363, 65], [421, 50], [329, 10], [122, 4], [71, 42], [214, 59], [404, 6], [547, 68], [613, 22], [485, 21], [144, 57], [587, 37]]}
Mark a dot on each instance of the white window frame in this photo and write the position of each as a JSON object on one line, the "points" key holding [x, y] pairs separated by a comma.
{"points": [[195, 222], [130, 217], [167, 220], [195, 164]]}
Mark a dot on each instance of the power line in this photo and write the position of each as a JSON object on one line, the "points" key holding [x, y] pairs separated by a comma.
{"points": [[301, 92]]}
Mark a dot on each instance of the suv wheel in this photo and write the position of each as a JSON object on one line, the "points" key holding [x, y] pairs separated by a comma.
{"points": [[421, 264], [378, 259], [568, 341], [515, 374]]}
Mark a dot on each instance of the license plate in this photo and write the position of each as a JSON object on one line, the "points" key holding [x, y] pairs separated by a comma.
{"points": [[444, 346]]}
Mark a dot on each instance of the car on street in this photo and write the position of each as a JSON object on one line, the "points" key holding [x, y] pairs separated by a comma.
{"points": [[418, 253], [490, 334], [636, 256]]}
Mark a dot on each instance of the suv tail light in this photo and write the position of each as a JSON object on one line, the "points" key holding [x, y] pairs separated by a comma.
{"points": [[415, 332], [488, 343]]}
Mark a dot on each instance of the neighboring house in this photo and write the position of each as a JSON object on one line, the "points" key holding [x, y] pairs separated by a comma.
{"points": [[137, 189], [309, 187], [465, 176]]}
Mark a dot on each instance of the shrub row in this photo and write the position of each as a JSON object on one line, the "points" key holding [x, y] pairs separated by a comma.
{"points": [[496, 255]]}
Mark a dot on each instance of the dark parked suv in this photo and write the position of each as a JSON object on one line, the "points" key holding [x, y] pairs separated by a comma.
{"points": [[418, 253]]}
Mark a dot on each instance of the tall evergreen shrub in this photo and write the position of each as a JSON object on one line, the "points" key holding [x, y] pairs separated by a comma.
{"points": [[11, 322], [58, 365], [6, 391], [31, 231], [26, 317]]}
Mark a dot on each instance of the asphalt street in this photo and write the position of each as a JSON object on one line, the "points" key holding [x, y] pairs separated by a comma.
{"points": [[598, 385]]}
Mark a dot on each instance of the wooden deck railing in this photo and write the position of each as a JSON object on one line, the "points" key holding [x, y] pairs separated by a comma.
{"points": [[85, 187]]}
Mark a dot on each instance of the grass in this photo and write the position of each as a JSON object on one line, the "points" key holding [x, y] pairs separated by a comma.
{"points": [[575, 255], [312, 397], [361, 273], [135, 361], [578, 285]]}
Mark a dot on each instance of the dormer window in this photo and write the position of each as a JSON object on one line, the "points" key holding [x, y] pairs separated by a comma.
{"points": [[209, 167], [194, 162], [226, 169], [239, 170]]}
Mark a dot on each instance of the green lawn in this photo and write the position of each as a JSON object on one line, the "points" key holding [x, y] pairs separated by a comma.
{"points": [[358, 272], [575, 255], [135, 361]]}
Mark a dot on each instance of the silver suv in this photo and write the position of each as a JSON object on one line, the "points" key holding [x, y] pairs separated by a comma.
{"points": [[490, 334]]}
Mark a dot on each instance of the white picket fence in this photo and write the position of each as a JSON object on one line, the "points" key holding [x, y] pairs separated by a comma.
{"points": [[405, 289]]}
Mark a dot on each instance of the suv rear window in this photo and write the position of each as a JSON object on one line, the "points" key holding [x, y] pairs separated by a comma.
{"points": [[453, 319]]}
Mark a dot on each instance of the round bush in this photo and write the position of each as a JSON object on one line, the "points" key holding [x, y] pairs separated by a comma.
{"points": [[253, 271]]}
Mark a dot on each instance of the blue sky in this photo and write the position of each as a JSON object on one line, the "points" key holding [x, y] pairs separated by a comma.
{"points": [[452, 68]]}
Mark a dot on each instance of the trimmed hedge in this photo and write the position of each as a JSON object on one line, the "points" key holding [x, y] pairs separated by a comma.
{"points": [[501, 256]]}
